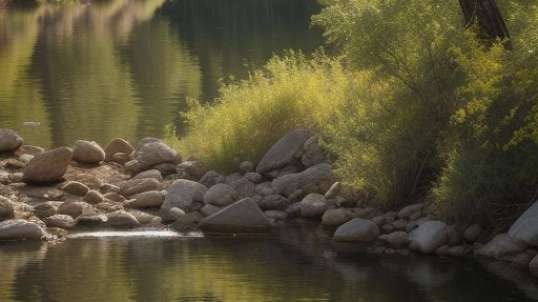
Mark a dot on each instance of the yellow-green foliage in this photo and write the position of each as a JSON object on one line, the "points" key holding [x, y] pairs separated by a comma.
{"points": [[251, 115]]}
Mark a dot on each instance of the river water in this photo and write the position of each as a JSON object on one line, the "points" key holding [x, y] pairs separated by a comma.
{"points": [[125, 68], [295, 265]]}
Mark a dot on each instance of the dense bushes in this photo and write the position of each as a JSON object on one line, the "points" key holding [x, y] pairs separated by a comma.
{"points": [[422, 109]]}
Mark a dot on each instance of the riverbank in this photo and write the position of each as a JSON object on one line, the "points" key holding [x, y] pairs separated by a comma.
{"points": [[45, 194]]}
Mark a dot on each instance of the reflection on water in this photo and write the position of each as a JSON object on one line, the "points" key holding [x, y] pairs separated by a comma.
{"points": [[296, 267], [124, 68]]}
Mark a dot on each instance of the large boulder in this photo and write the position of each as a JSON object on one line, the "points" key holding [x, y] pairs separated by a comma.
{"points": [[243, 216], [357, 230], [151, 154], [19, 229], [220, 195], [313, 176], [88, 152], [283, 151], [48, 167], [428, 236], [313, 205], [144, 200], [526, 226], [501, 247], [6, 209], [9, 140], [117, 145], [182, 193]]}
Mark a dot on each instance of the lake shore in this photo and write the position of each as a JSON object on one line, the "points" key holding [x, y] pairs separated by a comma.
{"points": [[46, 194]]}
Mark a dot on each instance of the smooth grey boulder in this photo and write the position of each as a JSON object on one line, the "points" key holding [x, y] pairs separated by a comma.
{"points": [[220, 195], [117, 145], [428, 236], [313, 205], [145, 200], [357, 230], [6, 209], [288, 184], [283, 151], [526, 226], [152, 154], [9, 140], [48, 167], [182, 193], [335, 217], [75, 188], [122, 219], [243, 216], [88, 152], [60, 221], [18, 229], [501, 247], [135, 186]]}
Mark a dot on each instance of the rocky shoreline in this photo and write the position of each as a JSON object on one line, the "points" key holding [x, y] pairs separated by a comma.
{"points": [[44, 194]]}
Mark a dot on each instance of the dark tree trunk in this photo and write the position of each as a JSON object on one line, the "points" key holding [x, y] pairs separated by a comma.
{"points": [[486, 16]]}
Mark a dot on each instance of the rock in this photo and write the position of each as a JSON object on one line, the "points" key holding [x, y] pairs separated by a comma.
{"points": [[145, 218], [152, 173], [395, 239], [9, 140], [243, 216], [94, 197], [209, 209], [117, 145], [88, 152], [335, 217], [75, 188], [47, 167], [533, 266], [283, 151], [182, 193], [18, 229], [232, 178], [458, 250], [244, 188], [166, 168], [273, 202], [60, 221], [264, 189], [410, 210], [501, 247], [212, 178], [379, 220], [313, 205], [135, 186], [472, 233], [220, 195], [91, 220], [192, 170], [400, 224], [6, 209], [108, 206], [172, 214], [40, 192], [73, 208], [429, 236], [246, 167], [144, 200], [152, 154], [146, 140], [357, 230], [454, 235], [30, 150], [46, 209], [526, 226], [187, 222], [288, 184], [122, 219], [312, 153], [12, 163], [113, 196], [276, 215], [254, 177], [121, 158], [109, 188]]}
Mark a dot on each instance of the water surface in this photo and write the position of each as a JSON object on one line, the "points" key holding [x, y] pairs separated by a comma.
{"points": [[125, 68], [295, 266]]}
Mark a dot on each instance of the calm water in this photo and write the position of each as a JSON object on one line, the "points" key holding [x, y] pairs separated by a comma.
{"points": [[124, 68], [295, 267]]}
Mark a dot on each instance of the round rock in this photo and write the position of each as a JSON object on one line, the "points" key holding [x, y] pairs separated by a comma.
{"points": [[88, 152]]}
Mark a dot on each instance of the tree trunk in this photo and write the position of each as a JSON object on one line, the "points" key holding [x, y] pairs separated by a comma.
{"points": [[486, 16]]}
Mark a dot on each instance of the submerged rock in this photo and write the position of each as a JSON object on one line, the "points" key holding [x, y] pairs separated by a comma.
{"points": [[48, 167], [88, 152], [243, 216], [357, 230], [283, 151], [9, 140], [18, 229]]}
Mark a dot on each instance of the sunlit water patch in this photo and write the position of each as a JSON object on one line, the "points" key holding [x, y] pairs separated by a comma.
{"points": [[134, 234]]}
